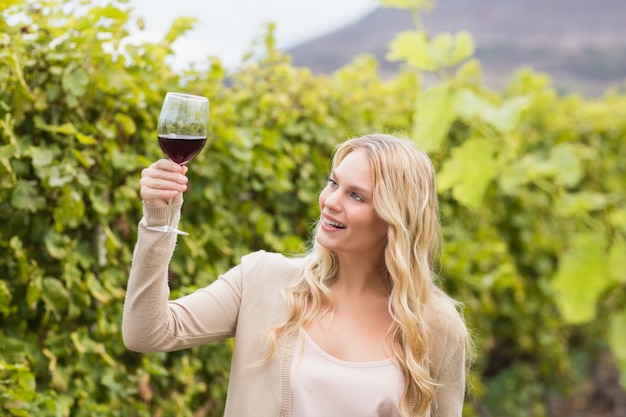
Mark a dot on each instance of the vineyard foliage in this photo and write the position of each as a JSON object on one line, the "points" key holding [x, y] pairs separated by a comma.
{"points": [[532, 188]]}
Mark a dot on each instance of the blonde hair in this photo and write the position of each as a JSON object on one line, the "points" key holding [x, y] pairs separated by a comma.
{"points": [[404, 197]]}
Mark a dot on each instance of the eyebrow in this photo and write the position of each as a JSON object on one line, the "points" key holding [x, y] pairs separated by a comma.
{"points": [[359, 190]]}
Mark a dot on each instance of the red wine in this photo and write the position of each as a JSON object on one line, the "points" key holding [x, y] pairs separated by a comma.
{"points": [[181, 148]]}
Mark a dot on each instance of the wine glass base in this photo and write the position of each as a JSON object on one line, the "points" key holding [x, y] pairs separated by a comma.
{"points": [[167, 229]]}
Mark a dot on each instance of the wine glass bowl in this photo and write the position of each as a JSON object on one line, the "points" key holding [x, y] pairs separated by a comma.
{"points": [[182, 131], [181, 148]]}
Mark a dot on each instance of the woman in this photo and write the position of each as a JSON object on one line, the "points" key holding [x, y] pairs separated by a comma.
{"points": [[355, 328]]}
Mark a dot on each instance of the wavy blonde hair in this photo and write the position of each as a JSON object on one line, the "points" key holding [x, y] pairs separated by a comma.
{"points": [[404, 197]]}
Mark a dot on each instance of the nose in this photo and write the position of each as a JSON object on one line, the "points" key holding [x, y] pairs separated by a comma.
{"points": [[332, 200]]}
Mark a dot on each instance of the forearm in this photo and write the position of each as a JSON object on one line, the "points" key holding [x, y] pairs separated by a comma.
{"points": [[146, 317]]}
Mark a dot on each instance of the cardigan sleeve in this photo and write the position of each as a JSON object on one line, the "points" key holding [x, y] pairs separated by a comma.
{"points": [[450, 395], [451, 345], [151, 322]]}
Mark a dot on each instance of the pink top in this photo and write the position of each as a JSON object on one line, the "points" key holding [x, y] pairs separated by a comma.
{"points": [[324, 386]]}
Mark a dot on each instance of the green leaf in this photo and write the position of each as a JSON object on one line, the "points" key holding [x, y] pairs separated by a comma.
{"points": [[33, 293], [112, 243], [564, 163], [83, 159], [61, 175], [617, 342], [84, 344], [179, 27], [86, 139], [469, 105], [96, 289], [470, 71], [25, 196], [412, 47], [567, 164], [506, 117], [449, 51], [13, 347], [580, 203], [444, 51], [409, 4], [21, 256], [8, 152], [64, 129], [581, 277], [75, 81], [617, 260], [434, 114], [70, 209], [5, 298], [98, 202], [469, 171], [464, 48], [54, 294], [42, 157], [126, 123], [110, 11], [57, 245], [26, 380]]}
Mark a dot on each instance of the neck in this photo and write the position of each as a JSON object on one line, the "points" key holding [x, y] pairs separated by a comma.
{"points": [[360, 276]]}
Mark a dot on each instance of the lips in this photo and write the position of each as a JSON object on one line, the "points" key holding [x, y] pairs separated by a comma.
{"points": [[334, 224]]}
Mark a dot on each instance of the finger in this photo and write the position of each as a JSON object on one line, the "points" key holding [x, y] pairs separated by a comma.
{"points": [[162, 181], [155, 172], [156, 191], [155, 183], [158, 198], [167, 165]]}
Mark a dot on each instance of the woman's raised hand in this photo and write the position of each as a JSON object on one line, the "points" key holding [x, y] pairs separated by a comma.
{"points": [[161, 181]]}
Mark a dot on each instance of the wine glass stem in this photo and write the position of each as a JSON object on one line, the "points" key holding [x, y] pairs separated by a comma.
{"points": [[168, 218]]}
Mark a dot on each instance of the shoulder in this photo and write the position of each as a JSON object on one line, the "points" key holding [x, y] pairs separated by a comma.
{"points": [[447, 325], [273, 260], [263, 277], [272, 265]]}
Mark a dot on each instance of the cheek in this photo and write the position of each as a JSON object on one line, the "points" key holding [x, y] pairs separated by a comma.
{"points": [[384, 228], [380, 226], [322, 197]]}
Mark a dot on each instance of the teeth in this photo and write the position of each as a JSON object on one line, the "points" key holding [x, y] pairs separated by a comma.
{"points": [[334, 224]]}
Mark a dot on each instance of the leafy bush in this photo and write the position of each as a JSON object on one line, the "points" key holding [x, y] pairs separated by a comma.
{"points": [[531, 189]]}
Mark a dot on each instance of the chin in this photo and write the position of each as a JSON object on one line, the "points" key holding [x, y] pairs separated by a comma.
{"points": [[323, 242]]}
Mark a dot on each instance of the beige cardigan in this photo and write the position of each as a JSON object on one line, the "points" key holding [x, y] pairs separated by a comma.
{"points": [[244, 303]]}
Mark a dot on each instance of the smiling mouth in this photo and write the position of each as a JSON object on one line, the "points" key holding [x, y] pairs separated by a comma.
{"points": [[333, 224]]}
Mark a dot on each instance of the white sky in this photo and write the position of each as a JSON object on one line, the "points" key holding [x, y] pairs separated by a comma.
{"points": [[226, 28]]}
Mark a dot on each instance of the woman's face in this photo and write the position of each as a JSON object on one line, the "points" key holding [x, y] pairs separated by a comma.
{"points": [[349, 223]]}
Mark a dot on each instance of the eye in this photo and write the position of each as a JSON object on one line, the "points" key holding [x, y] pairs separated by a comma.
{"points": [[332, 183], [356, 196]]}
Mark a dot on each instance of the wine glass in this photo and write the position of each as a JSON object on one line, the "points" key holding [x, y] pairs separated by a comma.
{"points": [[182, 132]]}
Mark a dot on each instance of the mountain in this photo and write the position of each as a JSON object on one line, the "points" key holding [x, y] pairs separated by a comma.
{"points": [[581, 44]]}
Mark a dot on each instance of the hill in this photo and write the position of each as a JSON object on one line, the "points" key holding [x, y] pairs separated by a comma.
{"points": [[580, 43]]}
